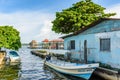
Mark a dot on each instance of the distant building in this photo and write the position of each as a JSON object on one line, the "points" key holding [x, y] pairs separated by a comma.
{"points": [[53, 44], [45, 44], [33, 44], [57, 44]]}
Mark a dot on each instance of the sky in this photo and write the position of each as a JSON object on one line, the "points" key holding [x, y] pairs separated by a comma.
{"points": [[32, 18]]}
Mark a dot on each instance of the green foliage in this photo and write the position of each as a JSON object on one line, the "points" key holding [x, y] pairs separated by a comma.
{"points": [[9, 38], [78, 16], [58, 56], [9, 72], [105, 66], [42, 51]]}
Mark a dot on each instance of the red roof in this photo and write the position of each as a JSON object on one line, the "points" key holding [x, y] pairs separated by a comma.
{"points": [[46, 40], [57, 40]]}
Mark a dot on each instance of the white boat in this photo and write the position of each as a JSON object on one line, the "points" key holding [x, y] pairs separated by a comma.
{"points": [[13, 56], [74, 69]]}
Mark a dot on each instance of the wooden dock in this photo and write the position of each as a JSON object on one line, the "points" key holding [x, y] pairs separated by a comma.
{"points": [[105, 74], [42, 55]]}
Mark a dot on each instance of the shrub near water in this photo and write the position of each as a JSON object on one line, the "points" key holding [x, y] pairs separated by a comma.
{"points": [[42, 51], [108, 66], [9, 72], [59, 56]]}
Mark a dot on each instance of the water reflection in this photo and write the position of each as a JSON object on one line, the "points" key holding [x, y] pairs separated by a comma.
{"points": [[9, 71], [31, 68], [55, 75]]}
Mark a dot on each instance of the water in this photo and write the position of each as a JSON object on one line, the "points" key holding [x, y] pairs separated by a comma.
{"points": [[31, 68]]}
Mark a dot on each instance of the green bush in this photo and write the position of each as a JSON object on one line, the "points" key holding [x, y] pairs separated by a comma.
{"points": [[42, 51]]}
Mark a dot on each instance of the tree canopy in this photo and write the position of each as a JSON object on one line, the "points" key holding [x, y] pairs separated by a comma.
{"points": [[9, 38], [78, 16]]}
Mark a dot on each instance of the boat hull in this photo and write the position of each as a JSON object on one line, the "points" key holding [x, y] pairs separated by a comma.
{"points": [[12, 59], [78, 70], [13, 56]]}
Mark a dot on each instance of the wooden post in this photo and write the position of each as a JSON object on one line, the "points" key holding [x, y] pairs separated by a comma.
{"points": [[85, 51]]}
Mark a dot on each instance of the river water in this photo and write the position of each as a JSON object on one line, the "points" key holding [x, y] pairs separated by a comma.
{"points": [[30, 68]]}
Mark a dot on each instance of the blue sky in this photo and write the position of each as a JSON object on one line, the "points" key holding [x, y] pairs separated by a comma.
{"points": [[34, 5], [33, 17]]}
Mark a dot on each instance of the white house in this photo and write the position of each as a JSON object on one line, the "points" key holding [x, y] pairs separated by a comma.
{"points": [[102, 39]]}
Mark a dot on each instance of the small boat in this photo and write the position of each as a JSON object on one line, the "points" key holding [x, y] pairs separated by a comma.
{"points": [[13, 56], [73, 69]]}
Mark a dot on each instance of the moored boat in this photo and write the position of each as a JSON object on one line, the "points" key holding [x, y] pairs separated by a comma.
{"points": [[13, 56], [73, 69]]}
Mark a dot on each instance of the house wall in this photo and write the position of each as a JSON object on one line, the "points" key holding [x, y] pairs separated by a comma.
{"points": [[107, 29]]}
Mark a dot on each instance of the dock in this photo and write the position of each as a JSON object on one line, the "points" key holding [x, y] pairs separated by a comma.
{"points": [[105, 74], [37, 53]]}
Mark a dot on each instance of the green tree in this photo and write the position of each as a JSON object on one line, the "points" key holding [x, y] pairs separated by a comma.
{"points": [[78, 16], [9, 38]]}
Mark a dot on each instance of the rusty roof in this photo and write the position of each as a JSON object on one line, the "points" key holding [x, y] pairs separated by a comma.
{"points": [[57, 40], [90, 26], [46, 40]]}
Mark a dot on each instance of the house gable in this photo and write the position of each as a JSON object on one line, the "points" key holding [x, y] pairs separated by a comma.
{"points": [[105, 26]]}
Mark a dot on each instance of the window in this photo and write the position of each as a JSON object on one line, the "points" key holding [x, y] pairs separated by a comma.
{"points": [[72, 44], [105, 44]]}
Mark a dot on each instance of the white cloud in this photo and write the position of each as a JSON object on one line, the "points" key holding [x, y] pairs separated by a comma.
{"points": [[32, 25], [114, 9], [46, 31], [37, 25]]}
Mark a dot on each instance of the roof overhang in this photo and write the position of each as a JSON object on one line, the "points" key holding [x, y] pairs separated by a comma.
{"points": [[89, 26]]}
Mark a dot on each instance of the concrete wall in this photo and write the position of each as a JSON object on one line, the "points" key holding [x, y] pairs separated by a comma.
{"points": [[107, 29]]}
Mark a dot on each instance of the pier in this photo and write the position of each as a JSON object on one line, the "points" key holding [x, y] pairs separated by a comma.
{"points": [[2, 56], [105, 74]]}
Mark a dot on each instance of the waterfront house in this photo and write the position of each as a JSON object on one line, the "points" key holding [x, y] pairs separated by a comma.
{"points": [[101, 40], [45, 44], [57, 44], [53, 44], [33, 44]]}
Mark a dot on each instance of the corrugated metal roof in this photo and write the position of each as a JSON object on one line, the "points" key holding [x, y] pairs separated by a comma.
{"points": [[90, 26]]}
